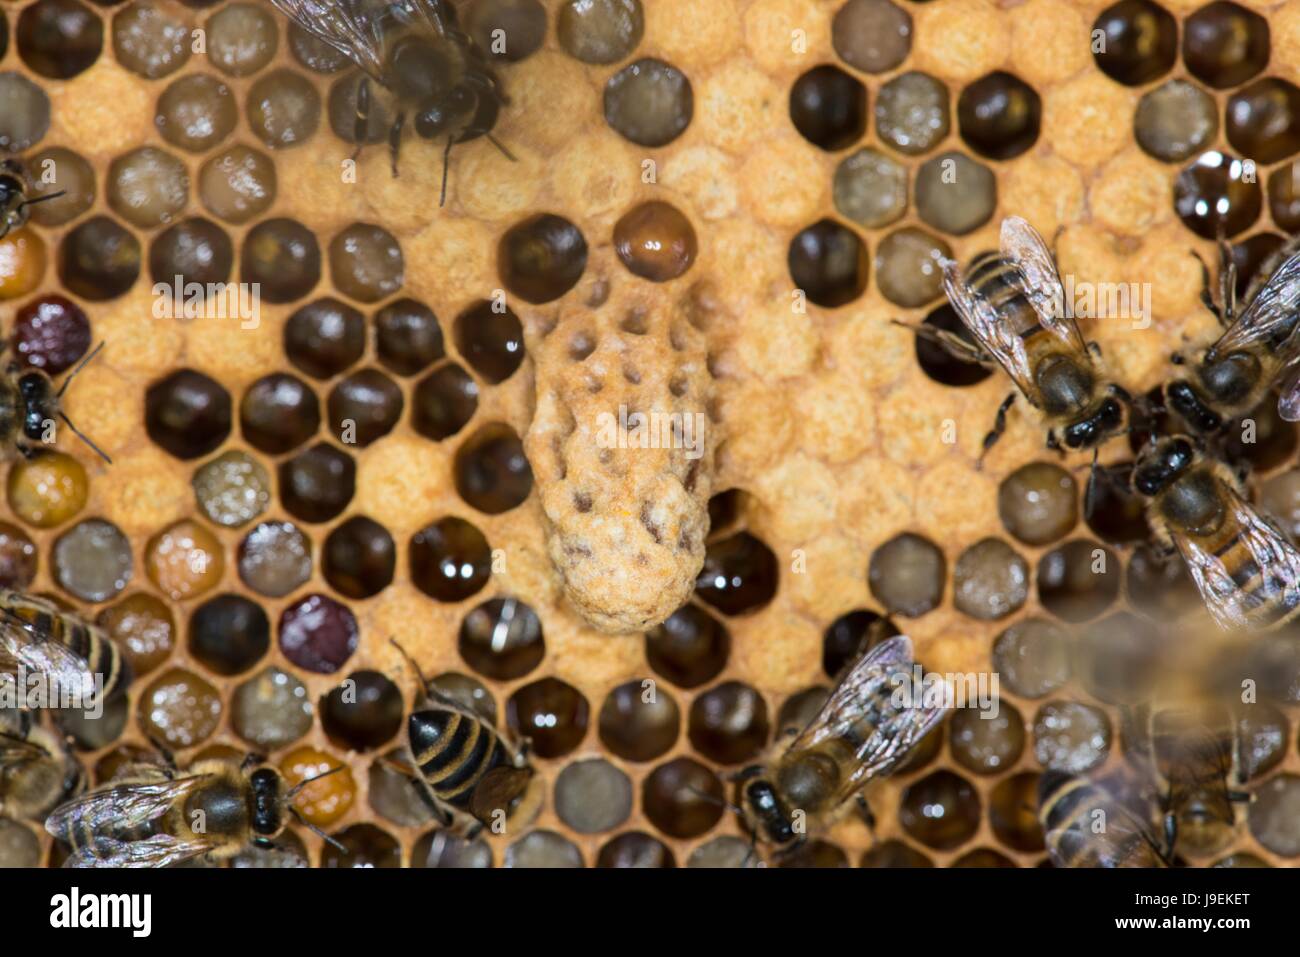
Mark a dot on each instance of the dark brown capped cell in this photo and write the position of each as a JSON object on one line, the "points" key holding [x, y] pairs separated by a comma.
{"points": [[443, 402], [363, 712], [151, 39], [364, 845], [66, 171], [491, 340], [359, 558], [318, 634], [283, 109], [196, 112], [682, 798], [829, 107], [284, 257], [1263, 120], [639, 721], [366, 262], [1112, 510], [941, 810], [829, 262], [50, 333], [729, 724], [873, 36], [1250, 256], [187, 413], [237, 184], [492, 473], [649, 102], [316, 485], [450, 559], [999, 115], [407, 336], [197, 250], [600, 31], [541, 258], [815, 853], [851, 635], [228, 634], [1013, 806], [278, 413], [315, 54], [894, 853], [739, 575], [241, 39], [364, 407], [1225, 44], [655, 241], [635, 849], [25, 117], [99, 260], [1079, 580], [550, 713], [18, 558], [325, 337], [689, 648], [906, 574], [502, 639], [507, 30], [1135, 41], [441, 848], [1175, 121], [940, 364], [59, 38]]}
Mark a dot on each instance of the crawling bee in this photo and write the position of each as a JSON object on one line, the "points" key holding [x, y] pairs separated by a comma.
{"points": [[153, 815], [15, 206], [861, 733], [1087, 823], [1246, 570], [1195, 760], [1013, 304], [37, 771], [1257, 351], [29, 404], [415, 49], [68, 652], [471, 776]]}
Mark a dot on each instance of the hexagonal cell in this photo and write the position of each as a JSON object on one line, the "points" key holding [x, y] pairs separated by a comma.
{"points": [[990, 580], [275, 559], [870, 188], [829, 107], [364, 845], [187, 413], [1079, 580], [600, 31], [544, 849], [1263, 120], [395, 796], [502, 639], [894, 853], [739, 575], [99, 259], [179, 709], [729, 724], [1217, 195], [196, 112], [283, 109], [987, 741], [184, 560], [1274, 815], [408, 338], [551, 713], [271, 710], [542, 257], [491, 339], [47, 489], [907, 267], [66, 171], [873, 36], [851, 635], [635, 849], [325, 337], [682, 798], [366, 262], [363, 712], [1137, 41], [242, 38], [232, 489], [912, 113], [92, 560], [1070, 736], [441, 848], [999, 115], [638, 721], [1013, 812], [17, 558], [443, 402], [593, 796], [318, 634], [229, 634], [1039, 503], [689, 648], [907, 574], [151, 39], [237, 184], [359, 558], [955, 194], [317, 485], [50, 333], [491, 472], [278, 413], [940, 364], [649, 102], [143, 628], [189, 258], [1175, 121], [315, 54], [1225, 44], [58, 38], [283, 257], [1033, 657], [830, 263], [942, 810], [508, 30], [450, 559], [364, 407], [655, 241]]}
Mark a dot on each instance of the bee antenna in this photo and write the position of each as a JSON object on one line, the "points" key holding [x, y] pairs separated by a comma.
{"points": [[294, 791], [81, 435], [312, 827], [42, 199], [80, 365], [716, 801], [504, 152], [424, 683]]}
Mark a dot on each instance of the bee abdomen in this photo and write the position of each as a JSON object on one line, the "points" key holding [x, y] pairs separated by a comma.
{"points": [[453, 752]]}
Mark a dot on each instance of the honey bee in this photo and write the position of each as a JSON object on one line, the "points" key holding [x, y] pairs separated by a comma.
{"points": [[1195, 759], [1257, 351], [861, 733], [1013, 304], [1246, 570], [467, 772], [153, 815], [29, 404], [415, 49], [1086, 823], [37, 771], [15, 207], [68, 652]]}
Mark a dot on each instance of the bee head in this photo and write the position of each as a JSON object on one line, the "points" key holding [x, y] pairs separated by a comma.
{"points": [[1161, 463], [1184, 400], [440, 114], [40, 404], [765, 813], [420, 70], [268, 801], [1107, 418]]}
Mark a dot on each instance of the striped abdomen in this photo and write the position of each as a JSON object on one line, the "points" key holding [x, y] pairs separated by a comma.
{"points": [[41, 621], [453, 752], [1000, 282], [1084, 826]]}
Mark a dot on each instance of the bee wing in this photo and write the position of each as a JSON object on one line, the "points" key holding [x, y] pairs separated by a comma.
{"points": [[118, 811], [989, 329], [1269, 317], [18, 750], [1111, 845], [346, 25], [1022, 244], [861, 703], [433, 13], [1274, 559], [497, 789], [1288, 402], [50, 658], [158, 850]]}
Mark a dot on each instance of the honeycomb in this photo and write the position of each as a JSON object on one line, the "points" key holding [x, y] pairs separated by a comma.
{"points": [[291, 490]]}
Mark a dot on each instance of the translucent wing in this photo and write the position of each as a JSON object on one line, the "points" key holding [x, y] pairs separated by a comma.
{"points": [[432, 13], [498, 788], [862, 710], [158, 850], [20, 645], [1022, 244], [17, 750], [1103, 827], [1288, 402], [990, 330], [1269, 318], [349, 26], [1274, 584], [119, 811]]}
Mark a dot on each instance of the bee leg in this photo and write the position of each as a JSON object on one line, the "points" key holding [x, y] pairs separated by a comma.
{"points": [[446, 156], [1227, 281], [949, 342], [395, 140], [361, 122], [1171, 837], [1207, 298], [999, 426], [868, 816]]}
